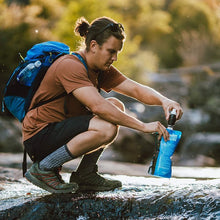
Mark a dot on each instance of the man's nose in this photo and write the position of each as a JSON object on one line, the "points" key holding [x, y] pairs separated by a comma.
{"points": [[115, 57]]}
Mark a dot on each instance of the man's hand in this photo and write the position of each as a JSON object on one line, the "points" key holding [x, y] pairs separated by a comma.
{"points": [[169, 105], [156, 126]]}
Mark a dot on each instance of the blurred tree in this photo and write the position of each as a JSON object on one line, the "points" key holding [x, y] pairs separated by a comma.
{"points": [[162, 33], [171, 28], [147, 21], [19, 2], [90, 9], [20, 28], [193, 24]]}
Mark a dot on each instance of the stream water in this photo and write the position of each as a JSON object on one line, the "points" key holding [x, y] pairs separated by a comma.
{"points": [[139, 198]]}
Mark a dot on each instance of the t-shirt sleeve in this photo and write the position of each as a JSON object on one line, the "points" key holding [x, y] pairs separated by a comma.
{"points": [[72, 74], [111, 78]]}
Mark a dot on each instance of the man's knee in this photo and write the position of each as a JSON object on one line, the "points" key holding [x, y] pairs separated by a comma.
{"points": [[106, 131], [109, 132], [117, 103]]}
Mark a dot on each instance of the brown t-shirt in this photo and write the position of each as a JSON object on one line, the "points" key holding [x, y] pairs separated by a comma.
{"points": [[65, 75]]}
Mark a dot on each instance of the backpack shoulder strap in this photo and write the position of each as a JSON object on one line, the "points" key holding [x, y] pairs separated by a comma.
{"points": [[81, 59], [64, 93], [84, 63]]}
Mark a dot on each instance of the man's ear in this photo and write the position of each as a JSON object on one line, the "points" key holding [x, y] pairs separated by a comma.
{"points": [[93, 46]]}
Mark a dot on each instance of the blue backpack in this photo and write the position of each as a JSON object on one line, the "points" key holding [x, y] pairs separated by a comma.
{"points": [[17, 97]]}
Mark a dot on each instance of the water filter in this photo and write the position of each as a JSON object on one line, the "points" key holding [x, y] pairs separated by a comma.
{"points": [[172, 119], [161, 164], [28, 74]]}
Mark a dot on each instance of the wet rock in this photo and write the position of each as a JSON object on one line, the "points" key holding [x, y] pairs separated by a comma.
{"points": [[205, 146], [203, 94], [133, 146], [10, 174], [10, 135], [139, 198]]}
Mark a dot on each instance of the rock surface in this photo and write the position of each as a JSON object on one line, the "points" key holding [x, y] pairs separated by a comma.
{"points": [[139, 198], [202, 144], [190, 193], [10, 135]]}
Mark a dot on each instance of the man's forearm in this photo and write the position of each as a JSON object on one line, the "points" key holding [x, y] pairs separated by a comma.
{"points": [[149, 96], [142, 93], [111, 113]]}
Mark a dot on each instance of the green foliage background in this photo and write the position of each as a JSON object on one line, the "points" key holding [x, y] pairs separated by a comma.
{"points": [[160, 34]]}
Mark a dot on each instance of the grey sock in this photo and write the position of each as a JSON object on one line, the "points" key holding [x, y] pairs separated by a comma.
{"points": [[56, 159]]}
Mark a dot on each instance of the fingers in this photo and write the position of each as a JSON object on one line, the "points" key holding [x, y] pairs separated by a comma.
{"points": [[167, 112], [179, 113], [162, 132], [174, 105], [157, 127], [165, 134], [169, 105]]}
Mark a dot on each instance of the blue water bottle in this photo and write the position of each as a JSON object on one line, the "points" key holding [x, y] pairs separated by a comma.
{"points": [[161, 164], [28, 74]]}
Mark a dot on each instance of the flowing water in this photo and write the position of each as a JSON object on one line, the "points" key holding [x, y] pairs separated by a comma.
{"points": [[139, 198]]}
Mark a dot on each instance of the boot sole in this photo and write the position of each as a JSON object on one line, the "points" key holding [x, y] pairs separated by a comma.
{"points": [[85, 188], [44, 186]]}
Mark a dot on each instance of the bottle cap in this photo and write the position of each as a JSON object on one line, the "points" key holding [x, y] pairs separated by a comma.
{"points": [[173, 112], [37, 63]]}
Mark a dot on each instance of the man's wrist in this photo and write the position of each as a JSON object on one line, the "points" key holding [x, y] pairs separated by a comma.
{"points": [[166, 102]]}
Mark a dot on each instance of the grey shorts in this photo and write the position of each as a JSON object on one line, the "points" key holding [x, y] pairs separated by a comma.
{"points": [[55, 135]]}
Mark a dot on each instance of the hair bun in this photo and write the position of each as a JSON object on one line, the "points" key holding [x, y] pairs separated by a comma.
{"points": [[82, 27]]}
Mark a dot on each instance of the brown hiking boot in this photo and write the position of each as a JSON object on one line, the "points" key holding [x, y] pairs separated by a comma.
{"points": [[50, 181], [93, 181]]}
